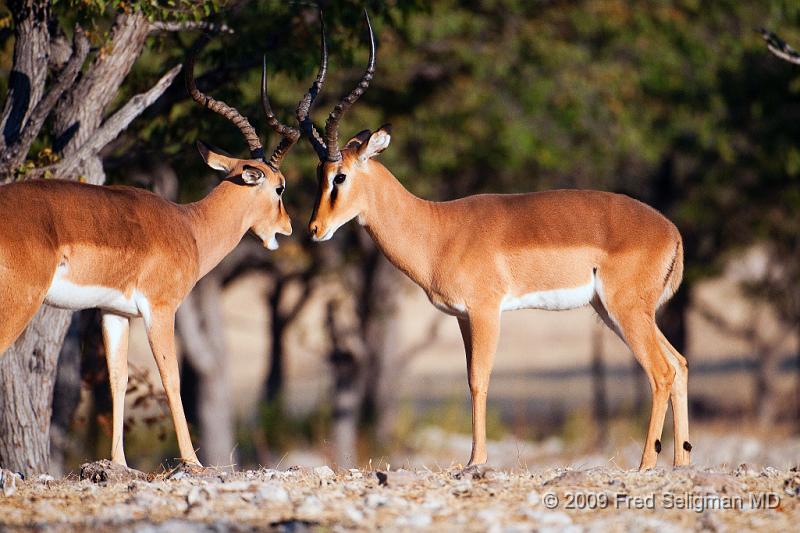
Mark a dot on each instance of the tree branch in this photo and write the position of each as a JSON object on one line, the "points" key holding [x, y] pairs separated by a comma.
{"points": [[407, 355], [303, 299], [16, 154], [778, 46], [747, 332], [29, 71], [80, 111], [190, 25], [112, 127]]}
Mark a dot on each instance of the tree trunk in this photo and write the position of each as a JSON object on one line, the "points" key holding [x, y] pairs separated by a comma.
{"points": [[66, 394], [283, 313], [273, 385], [347, 354], [765, 401], [80, 111], [27, 374], [202, 332], [378, 308], [672, 318], [599, 393], [797, 370], [27, 79]]}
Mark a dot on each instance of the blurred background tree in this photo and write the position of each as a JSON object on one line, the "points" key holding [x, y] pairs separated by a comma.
{"points": [[676, 103]]}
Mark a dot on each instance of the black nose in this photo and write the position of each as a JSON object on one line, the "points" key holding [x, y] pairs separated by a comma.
{"points": [[313, 229]]}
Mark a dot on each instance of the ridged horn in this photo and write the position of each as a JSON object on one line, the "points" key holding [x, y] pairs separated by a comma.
{"points": [[332, 124]]}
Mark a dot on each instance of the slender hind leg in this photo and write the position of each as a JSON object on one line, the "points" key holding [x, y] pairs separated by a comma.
{"points": [[115, 338], [637, 328], [680, 401], [642, 339], [18, 305]]}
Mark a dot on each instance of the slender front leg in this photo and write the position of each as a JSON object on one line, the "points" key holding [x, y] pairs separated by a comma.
{"points": [[161, 333], [483, 328], [115, 339]]}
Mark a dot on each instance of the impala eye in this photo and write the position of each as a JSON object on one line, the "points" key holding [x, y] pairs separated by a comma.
{"points": [[279, 190], [339, 179]]}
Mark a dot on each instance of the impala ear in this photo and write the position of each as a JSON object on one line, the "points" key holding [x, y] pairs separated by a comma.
{"points": [[377, 143], [252, 175], [358, 139], [215, 158]]}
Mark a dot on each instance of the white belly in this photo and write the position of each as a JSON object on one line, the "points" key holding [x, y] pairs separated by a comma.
{"points": [[68, 295], [552, 300]]}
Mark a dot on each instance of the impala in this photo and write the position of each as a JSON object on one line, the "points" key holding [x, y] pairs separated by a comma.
{"points": [[478, 256], [133, 254]]}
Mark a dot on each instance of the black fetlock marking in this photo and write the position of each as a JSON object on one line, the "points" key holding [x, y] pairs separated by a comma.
{"points": [[687, 446], [658, 446]]}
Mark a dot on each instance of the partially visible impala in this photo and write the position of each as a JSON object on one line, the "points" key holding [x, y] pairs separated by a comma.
{"points": [[478, 256], [134, 254]]}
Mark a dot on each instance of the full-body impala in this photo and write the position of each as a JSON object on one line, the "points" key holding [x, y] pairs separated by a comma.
{"points": [[478, 256], [133, 254]]}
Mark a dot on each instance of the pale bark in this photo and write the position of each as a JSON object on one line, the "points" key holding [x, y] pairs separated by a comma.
{"points": [[347, 355], [81, 110], [111, 128], [15, 155], [780, 48], [29, 72], [200, 323], [66, 394], [27, 376]]}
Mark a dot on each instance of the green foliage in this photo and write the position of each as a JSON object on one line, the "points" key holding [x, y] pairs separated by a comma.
{"points": [[283, 432], [454, 416], [161, 10], [677, 103]]}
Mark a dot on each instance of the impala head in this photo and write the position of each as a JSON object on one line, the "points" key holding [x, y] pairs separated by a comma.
{"points": [[263, 189], [260, 178], [342, 192], [341, 173]]}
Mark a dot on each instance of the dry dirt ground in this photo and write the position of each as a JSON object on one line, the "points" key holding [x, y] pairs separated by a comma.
{"points": [[319, 499]]}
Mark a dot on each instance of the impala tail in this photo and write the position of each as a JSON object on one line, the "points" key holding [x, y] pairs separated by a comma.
{"points": [[674, 275]]}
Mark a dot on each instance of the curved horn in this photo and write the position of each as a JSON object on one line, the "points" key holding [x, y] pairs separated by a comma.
{"points": [[289, 135], [220, 107], [303, 108], [332, 124]]}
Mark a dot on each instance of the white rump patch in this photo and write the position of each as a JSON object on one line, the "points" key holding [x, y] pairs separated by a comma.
{"points": [[553, 300], [67, 295]]}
